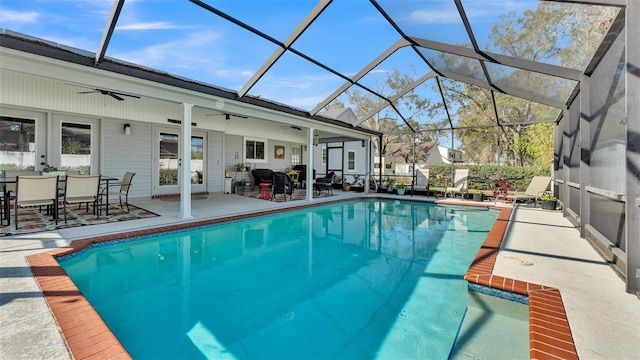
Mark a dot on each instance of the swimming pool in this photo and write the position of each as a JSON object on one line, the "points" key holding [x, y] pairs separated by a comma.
{"points": [[377, 278]]}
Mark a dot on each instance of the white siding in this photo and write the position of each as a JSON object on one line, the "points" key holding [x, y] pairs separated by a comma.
{"points": [[34, 92], [215, 164], [122, 153]]}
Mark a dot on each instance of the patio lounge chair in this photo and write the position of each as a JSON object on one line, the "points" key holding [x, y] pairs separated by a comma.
{"points": [[422, 181], [536, 188], [460, 183]]}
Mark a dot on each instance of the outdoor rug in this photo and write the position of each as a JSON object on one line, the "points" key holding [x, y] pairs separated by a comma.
{"points": [[33, 220]]}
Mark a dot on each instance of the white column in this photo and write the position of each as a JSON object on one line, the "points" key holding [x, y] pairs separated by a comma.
{"points": [[309, 175], [184, 164], [367, 165]]}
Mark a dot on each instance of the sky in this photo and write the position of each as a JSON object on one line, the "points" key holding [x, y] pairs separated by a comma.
{"points": [[184, 39]]}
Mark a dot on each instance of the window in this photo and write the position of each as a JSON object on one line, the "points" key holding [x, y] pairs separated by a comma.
{"points": [[296, 155], [324, 155], [255, 150], [351, 160], [17, 143], [75, 152]]}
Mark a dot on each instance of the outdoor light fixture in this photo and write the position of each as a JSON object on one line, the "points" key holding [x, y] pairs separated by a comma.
{"points": [[127, 129], [362, 143]]}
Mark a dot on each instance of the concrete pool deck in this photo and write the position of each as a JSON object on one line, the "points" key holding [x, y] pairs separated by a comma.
{"points": [[539, 247]]}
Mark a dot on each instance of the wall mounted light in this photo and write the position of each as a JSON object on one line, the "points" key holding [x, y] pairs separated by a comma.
{"points": [[362, 143], [127, 129]]}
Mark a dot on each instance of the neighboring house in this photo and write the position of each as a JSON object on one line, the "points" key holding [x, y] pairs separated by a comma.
{"points": [[344, 157], [427, 153], [444, 155]]}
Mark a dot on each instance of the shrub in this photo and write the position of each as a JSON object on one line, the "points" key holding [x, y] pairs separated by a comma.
{"points": [[482, 177]]}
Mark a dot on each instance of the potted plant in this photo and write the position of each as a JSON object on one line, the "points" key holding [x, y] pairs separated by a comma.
{"points": [[390, 182], [401, 188], [549, 202], [52, 170], [346, 186], [239, 166]]}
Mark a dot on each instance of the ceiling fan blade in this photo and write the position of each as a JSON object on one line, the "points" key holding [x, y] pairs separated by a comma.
{"points": [[123, 94], [88, 92], [115, 96]]}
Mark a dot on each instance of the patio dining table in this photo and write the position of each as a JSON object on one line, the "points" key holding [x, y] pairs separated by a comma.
{"points": [[105, 182]]}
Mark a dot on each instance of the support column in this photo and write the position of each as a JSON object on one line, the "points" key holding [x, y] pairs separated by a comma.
{"points": [[184, 164], [367, 171], [585, 153], [632, 118], [566, 164], [309, 174]]}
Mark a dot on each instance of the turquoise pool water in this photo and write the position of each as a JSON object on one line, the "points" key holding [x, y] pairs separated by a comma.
{"points": [[361, 279]]}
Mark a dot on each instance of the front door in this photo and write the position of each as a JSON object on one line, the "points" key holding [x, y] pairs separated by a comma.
{"points": [[169, 161]]}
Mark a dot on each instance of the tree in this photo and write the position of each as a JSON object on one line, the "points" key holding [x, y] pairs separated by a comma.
{"points": [[394, 129], [553, 32]]}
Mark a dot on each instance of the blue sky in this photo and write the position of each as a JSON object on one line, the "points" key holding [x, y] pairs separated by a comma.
{"points": [[181, 38]]}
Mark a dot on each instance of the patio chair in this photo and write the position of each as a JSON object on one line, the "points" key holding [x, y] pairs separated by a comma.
{"points": [[460, 183], [261, 176], [61, 184], [422, 181], [282, 184], [302, 174], [9, 189], [121, 189], [536, 188], [323, 184], [36, 191], [81, 189]]}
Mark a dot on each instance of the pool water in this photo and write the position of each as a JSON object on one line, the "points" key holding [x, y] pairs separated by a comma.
{"points": [[493, 328], [360, 279]]}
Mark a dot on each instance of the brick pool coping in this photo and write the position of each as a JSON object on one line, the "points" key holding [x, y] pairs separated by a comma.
{"points": [[88, 337]]}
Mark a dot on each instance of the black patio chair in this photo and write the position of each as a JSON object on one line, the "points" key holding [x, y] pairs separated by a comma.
{"points": [[323, 184], [302, 174], [282, 184], [261, 176]]}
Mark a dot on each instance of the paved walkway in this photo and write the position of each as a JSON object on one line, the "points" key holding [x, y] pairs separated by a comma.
{"points": [[604, 319], [543, 247]]}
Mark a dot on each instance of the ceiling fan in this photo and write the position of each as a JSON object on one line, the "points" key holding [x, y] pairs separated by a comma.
{"points": [[116, 95], [228, 116], [291, 127]]}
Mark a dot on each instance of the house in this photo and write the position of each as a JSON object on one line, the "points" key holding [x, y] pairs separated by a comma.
{"points": [[58, 108], [427, 153]]}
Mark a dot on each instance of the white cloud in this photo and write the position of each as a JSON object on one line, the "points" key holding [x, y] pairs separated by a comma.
{"points": [[434, 17], [10, 16], [474, 10], [147, 26], [188, 52]]}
